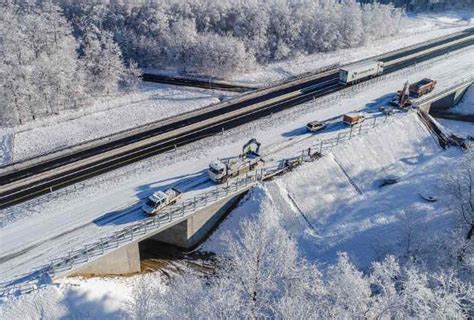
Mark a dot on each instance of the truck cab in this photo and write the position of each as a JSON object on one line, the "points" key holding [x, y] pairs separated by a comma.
{"points": [[159, 200], [154, 202], [217, 171]]}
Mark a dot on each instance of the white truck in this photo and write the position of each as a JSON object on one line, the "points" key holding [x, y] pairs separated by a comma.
{"points": [[221, 170], [360, 71], [159, 200]]}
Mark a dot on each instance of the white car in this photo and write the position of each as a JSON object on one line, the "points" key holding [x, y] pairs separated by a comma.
{"points": [[314, 126]]}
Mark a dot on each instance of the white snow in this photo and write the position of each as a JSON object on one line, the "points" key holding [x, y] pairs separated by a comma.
{"points": [[152, 102], [466, 105], [76, 298], [415, 29], [368, 225], [459, 128]]}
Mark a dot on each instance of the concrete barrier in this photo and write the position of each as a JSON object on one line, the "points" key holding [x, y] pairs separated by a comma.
{"points": [[124, 260]]}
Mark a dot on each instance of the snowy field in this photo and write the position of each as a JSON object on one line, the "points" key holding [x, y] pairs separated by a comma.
{"points": [[152, 102], [414, 29]]}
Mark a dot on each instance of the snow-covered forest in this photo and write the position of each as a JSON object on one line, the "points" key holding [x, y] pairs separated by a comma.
{"points": [[219, 37], [58, 55], [44, 69]]}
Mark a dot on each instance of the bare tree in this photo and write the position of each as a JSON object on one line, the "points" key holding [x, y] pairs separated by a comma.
{"points": [[460, 186]]}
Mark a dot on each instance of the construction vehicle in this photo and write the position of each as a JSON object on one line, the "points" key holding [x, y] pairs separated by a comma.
{"points": [[422, 87], [221, 170], [159, 200], [360, 71], [402, 100], [352, 119], [315, 126]]}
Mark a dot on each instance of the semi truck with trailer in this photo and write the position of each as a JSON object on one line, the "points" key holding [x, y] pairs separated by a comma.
{"points": [[159, 200], [360, 71], [222, 170]]}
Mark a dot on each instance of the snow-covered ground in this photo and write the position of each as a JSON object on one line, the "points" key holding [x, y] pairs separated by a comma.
{"points": [[414, 29], [460, 128], [76, 298], [321, 206], [150, 103], [466, 105], [65, 219]]}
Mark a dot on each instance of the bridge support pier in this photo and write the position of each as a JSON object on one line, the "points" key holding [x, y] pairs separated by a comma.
{"points": [[189, 233], [125, 260]]}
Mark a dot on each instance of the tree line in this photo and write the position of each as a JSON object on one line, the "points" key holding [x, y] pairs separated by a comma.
{"points": [[217, 38], [44, 69]]}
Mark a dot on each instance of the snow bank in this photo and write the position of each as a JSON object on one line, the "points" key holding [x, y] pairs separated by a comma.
{"points": [[386, 151], [321, 208], [459, 128], [152, 103], [6, 146], [466, 105], [76, 298]]}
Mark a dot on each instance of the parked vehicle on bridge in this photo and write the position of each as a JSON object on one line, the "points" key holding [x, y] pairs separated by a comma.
{"points": [[422, 87], [315, 126], [352, 119], [360, 71], [159, 200], [221, 170]]}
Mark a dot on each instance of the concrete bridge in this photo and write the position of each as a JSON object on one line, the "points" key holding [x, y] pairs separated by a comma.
{"points": [[183, 225], [440, 102]]}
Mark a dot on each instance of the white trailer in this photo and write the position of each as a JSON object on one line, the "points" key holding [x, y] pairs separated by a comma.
{"points": [[160, 199], [359, 71]]}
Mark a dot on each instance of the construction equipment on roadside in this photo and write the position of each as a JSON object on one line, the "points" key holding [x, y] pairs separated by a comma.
{"points": [[221, 170], [402, 100], [159, 200]]}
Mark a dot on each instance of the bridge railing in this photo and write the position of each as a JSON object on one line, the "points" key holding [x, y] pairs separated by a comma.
{"points": [[132, 232]]}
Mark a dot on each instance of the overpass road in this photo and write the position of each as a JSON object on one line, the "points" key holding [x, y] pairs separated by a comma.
{"points": [[23, 181]]}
